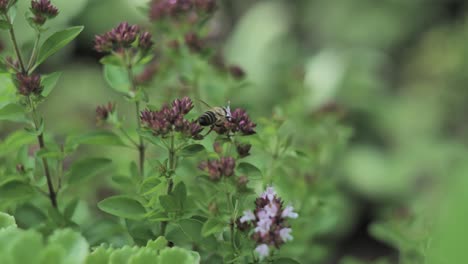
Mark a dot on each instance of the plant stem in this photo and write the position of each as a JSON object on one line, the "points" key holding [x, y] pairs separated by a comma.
{"points": [[133, 88], [15, 44], [32, 59], [40, 139], [170, 184], [141, 145]]}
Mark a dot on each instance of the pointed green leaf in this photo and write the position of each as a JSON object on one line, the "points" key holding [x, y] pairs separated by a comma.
{"points": [[57, 41], [212, 226], [49, 82], [158, 244], [122, 206], [191, 150], [87, 168], [13, 112], [250, 170], [117, 78], [75, 245], [98, 138], [6, 220]]}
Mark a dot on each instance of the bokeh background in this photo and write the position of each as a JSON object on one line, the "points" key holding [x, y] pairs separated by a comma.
{"points": [[374, 91]]}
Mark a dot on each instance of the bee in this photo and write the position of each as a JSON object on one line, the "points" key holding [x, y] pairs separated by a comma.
{"points": [[215, 116]]}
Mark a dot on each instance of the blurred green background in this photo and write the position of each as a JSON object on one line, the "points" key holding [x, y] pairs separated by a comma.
{"points": [[376, 90]]}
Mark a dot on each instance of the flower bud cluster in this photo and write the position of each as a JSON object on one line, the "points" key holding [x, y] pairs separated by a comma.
{"points": [[172, 118], [239, 123], [5, 5], [42, 10], [269, 220], [104, 111], [123, 37], [175, 9], [223, 167], [28, 84]]}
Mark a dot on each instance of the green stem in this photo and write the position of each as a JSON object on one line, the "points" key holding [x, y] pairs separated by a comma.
{"points": [[128, 136], [141, 145], [170, 184], [15, 44], [40, 139], [32, 59]]}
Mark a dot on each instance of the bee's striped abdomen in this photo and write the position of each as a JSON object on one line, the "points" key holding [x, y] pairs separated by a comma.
{"points": [[208, 118]]}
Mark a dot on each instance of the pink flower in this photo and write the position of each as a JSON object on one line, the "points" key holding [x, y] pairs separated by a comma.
{"points": [[288, 213], [262, 250], [269, 194], [285, 234], [263, 226], [271, 210], [248, 216]]}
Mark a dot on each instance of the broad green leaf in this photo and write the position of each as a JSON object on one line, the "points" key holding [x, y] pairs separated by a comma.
{"points": [[99, 256], [144, 256], [177, 255], [15, 141], [15, 191], [285, 261], [117, 78], [251, 171], [122, 206], [4, 25], [6, 220], [49, 82], [98, 138], [158, 217], [57, 41], [111, 60], [13, 112], [158, 244], [212, 226], [169, 203], [180, 194], [70, 209], [192, 229], [75, 245], [87, 168], [191, 150], [122, 255], [28, 241], [52, 254]]}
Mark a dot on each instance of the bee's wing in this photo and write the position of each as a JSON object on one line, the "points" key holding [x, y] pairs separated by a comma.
{"points": [[205, 103]]}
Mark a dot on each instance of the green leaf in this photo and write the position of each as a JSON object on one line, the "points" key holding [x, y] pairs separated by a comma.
{"points": [[48, 153], [70, 209], [26, 247], [111, 60], [6, 220], [192, 229], [75, 245], [15, 141], [122, 206], [212, 226], [87, 168], [99, 256], [180, 194], [144, 256], [122, 255], [4, 25], [178, 255], [13, 112], [57, 41], [117, 78], [15, 191], [285, 261], [191, 150], [158, 244], [169, 203], [98, 138], [49, 82], [250, 170]]}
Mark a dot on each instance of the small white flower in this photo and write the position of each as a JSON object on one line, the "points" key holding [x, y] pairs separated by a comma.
{"points": [[248, 216], [262, 250], [263, 226], [271, 210], [269, 194], [288, 212], [285, 234]]}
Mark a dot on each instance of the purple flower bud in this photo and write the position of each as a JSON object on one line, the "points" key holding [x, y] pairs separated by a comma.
{"points": [[236, 72], [145, 43], [243, 150], [162, 9], [193, 42], [242, 182], [269, 193], [28, 84], [239, 122], [103, 111], [227, 165], [182, 106], [119, 38], [206, 6], [147, 75], [43, 10]]}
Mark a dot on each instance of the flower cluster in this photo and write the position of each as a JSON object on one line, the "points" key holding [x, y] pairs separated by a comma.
{"points": [[42, 10], [121, 38], [104, 111], [239, 122], [162, 9], [194, 43], [5, 5], [171, 118], [223, 167], [28, 84], [270, 222]]}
